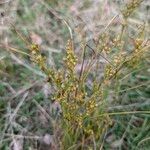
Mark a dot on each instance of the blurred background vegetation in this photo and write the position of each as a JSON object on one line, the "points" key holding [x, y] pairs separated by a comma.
{"points": [[23, 88]]}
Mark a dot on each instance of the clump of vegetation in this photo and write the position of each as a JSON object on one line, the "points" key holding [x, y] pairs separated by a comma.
{"points": [[85, 118], [84, 84]]}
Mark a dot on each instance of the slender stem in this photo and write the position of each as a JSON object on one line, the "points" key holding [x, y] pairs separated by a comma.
{"points": [[83, 59], [101, 55], [20, 35], [123, 113]]}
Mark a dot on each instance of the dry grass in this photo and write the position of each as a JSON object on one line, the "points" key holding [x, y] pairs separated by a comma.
{"points": [[25, 105]]}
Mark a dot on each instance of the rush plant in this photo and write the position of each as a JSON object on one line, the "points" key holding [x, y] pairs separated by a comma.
{"points": [[85, 117]]}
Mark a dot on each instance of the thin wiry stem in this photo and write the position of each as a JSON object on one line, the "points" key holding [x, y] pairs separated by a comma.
{"points": [[20, 35], [122, 113], [101, 55]]}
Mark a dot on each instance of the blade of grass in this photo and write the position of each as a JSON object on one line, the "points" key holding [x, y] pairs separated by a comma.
{"points": [[122, 113]]}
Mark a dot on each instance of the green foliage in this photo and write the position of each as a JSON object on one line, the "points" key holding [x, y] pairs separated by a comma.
{"points": [[87, 92], [82, 107]]}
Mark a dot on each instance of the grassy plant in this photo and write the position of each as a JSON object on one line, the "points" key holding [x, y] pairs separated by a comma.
{"points": [[84, 92], [85, 118]]}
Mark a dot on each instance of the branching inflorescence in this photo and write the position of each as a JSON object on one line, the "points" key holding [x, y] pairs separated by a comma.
{"points": [[80, 105]]}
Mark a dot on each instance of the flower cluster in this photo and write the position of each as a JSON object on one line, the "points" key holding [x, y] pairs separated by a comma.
{"points": [[40, 60], [112, 69], [70, 59], [138, 52], [130, 7], [83, 105]]}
